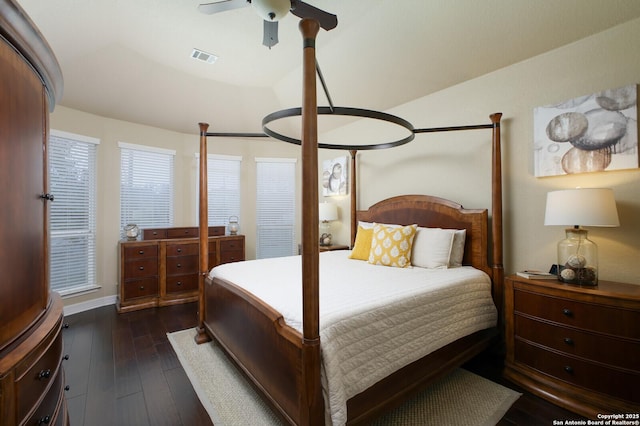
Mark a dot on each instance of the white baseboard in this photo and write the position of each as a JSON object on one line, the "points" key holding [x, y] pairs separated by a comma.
{"points": [[89, 304]]}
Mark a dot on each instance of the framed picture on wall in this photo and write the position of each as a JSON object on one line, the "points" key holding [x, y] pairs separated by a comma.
{"points": [[591, 133], [335, 177]]}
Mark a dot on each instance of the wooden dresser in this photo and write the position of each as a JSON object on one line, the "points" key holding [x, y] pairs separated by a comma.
{"points": [[162, 268], [31, 373], [578, 347]]}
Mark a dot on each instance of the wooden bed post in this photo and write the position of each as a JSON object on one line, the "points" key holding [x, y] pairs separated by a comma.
{"points": [[354, 198], [203, 233], [311, 399], [496, 213]]}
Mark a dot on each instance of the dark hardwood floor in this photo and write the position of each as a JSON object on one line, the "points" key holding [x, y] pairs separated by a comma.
{"points": [[122, 371]]}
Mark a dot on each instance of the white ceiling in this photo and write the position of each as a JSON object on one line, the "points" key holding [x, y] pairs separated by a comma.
{"points": [[130, 59]]}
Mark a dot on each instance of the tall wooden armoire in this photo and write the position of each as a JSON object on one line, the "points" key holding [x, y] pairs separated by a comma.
{"points": [[31, 374]]}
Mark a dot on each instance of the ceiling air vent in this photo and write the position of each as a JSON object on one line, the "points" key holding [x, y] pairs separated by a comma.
{"points": [[200, 55]]}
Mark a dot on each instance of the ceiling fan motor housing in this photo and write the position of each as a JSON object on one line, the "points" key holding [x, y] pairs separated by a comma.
{"points": [[272, 10]]}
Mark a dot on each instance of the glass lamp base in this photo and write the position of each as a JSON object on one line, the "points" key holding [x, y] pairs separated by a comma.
{"points": [[578, 259]]}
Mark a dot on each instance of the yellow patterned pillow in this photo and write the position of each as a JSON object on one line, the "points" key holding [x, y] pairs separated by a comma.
{"points": [[362, 246], [391, 246]]}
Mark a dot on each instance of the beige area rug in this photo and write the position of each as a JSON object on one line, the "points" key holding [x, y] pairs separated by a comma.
{"points": [[462, 398]]}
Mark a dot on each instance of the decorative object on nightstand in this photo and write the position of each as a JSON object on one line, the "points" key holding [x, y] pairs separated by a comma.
{"points": [[327, 212], [233, 225], [577, 254]]}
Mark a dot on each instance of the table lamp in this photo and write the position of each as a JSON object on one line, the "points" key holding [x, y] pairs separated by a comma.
{"points": [[577, 254], [327, 212]]}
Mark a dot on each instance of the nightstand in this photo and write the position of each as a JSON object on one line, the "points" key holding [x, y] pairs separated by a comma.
{"points": [[577, 347], [333, 247]]}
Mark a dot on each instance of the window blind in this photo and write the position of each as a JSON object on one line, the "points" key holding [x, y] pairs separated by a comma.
{"points": [[72, 214], [146, 186], [275, 207], [223, 192]]}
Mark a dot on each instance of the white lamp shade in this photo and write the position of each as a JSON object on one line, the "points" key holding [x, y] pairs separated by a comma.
{"points": [[582, 206], [272, 10], [327, 212]]}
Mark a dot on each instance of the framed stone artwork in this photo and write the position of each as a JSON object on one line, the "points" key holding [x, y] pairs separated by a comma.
{"points": [[591, 133]]}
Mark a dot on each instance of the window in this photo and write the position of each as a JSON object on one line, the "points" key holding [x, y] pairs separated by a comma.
{"points": [[72, 214], [146, 186], [275, 204], [223, 181]]}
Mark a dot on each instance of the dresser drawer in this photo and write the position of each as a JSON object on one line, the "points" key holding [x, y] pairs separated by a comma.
{"points": [[595, 377], [182, 265], [182, 283], [141, 252], [154, 234], [48, 412], [144, 287], [141, 268], [232, 245], [587, 316], [594, 347], [35, 374], [182, 249], [231, 256], [182, 232]]}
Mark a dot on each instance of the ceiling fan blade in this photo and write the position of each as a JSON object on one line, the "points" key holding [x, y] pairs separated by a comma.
{"points": [[270, 34], [222, 6], [327, 20]]}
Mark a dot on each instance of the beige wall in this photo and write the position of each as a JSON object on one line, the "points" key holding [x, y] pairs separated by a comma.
{"points": [[454, 165]]}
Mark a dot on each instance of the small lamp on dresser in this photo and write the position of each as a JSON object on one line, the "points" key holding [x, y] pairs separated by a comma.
{"points": [[577, 254], [327, 212]]}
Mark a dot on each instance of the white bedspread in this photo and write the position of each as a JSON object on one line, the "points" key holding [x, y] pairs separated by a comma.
{"points": [[374, 320]]}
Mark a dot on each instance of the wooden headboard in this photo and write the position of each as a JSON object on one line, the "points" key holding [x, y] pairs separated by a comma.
{"points": [[434, 212]]}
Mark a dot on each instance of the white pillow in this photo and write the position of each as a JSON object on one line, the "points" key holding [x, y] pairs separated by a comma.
{"points": [[457, 251], [432, 248]]}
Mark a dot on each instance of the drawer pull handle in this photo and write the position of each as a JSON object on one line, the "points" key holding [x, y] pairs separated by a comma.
{"points": [[141, 252], [179, 283], [567, 312], [141, 268], [44, 374], [66, 388], [44, 420], [568, 369], [66, 357], [568, 341], [179, 250], [65, 325], [141, 287], [178, 265]]}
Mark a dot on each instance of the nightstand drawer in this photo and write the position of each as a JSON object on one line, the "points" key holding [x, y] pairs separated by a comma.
{"points": [[594, 347], [182, 249], [182, 265], [600, 318], [595, 377], [145, 287], [182, 283]]}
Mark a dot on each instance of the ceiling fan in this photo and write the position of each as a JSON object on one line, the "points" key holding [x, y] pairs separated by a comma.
{"points": [[271, 11]]}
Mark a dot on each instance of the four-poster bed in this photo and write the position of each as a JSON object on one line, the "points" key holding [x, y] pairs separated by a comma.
{"points": [[284, 362]]}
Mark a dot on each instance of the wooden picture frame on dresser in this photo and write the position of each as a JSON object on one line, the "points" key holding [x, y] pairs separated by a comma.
{"points": [[577, 347], [32, 384], [162, 268]]}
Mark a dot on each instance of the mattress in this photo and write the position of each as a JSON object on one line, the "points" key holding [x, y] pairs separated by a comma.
{"points": [[374, 319]]}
